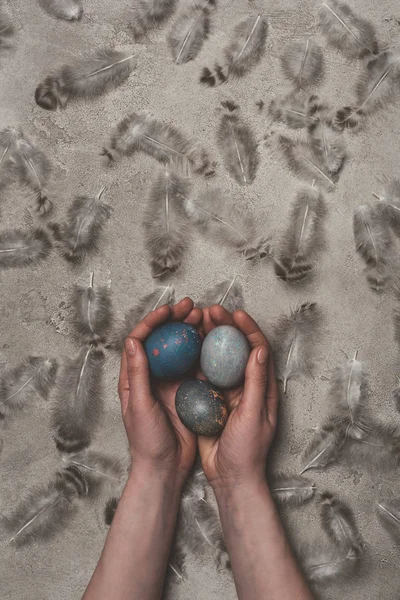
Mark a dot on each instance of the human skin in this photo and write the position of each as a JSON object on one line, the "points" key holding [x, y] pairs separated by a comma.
{"points": [[134, 560]]}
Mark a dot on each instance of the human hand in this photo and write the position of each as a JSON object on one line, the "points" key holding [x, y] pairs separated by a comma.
{"points": [[157, 438], [239, 453]]}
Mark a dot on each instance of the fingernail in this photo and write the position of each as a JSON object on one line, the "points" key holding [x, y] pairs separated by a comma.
{"points": [[130, 346], [262, 356]]}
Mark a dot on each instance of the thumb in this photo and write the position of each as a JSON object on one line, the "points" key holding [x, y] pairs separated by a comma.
{"points": [[255, 383], [138, 372]]}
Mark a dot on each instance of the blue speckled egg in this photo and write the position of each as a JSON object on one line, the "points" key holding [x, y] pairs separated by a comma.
{"points": [[201, 407], [224, 356], [172, 350]]}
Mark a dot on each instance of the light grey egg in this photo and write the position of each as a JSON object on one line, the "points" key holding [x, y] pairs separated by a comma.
{"points": [[224, 356]]}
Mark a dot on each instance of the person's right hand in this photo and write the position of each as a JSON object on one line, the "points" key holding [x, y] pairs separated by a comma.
{"points": [[239, 453]]}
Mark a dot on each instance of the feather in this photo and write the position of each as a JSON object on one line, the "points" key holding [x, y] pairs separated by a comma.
{"points": [[339, 524], [90, 76], [92, 312], [303, 161], [243, 53], [70, 10], [304, 237], [325, 446], [167, 232], [347, 396], [389, 515], [78, 401], [33, 168], [389, 203], [199, 527], [86, 218], [296, 335], [228, 293], [328, 146], [374, 244], [237, 145], [176, 565], [146, 304], [396, 396], [292, 490], [46, 511], [23, 384], [352, 35], [150, 13], [19, 248], [378, 449], [167, 144], [8, 139], [223, 223], [377, 88], [103, 473], [110, 510], [6, 29], [303, 63], [324, 562], [190, 31], [297, 109]]}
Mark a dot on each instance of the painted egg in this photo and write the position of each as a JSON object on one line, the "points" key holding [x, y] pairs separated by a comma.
{"points": [[224, 356], [172, 350], [201, 407]]}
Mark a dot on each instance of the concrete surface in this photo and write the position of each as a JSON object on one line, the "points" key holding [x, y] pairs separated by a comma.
{"points": [[34, 302]]}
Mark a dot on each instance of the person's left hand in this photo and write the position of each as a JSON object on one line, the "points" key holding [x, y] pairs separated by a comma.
{"points": [[157, 438]]}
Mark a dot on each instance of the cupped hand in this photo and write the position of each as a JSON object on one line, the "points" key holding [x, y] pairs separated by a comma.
{"points": [[157, 438], [239, 453]]}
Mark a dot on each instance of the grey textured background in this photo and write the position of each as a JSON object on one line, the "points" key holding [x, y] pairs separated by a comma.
{"points": [[34, 302]]}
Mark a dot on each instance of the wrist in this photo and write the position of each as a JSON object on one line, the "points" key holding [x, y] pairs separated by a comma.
{"points": [[239, 490], [146, 473]]}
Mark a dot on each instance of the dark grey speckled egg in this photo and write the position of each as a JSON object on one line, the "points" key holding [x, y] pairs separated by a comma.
{"points": [[201, 407], [224, 356]]}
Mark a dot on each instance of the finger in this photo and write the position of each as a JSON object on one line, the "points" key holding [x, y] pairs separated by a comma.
{"points": [[140, 396], [206, 446], [180, 311], [195, 317], [150, 322], [249, 327], [208, 323], [255, 382], [272, 398], [220, 315]]}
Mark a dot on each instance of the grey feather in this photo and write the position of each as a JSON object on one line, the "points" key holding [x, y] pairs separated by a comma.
{"points": [[33, 169], [19, 248], [110, 510], [92, 312], [243, 53], [354, 36], [388, 512], [297, 109], [8, 148], [147, 14], [104, 474], [46, 511], [146, 304], [78, 400], [79, 235], [374, 243], [303, 161], [339, 523], [389, 205], [6, 29], [323, 562], [296, 336], [23, 384], [190, 31], [304, 237], [303, 63], [325, 446], [145, 133], [292, 490], [167, 231], [90, 76], [328, 146], [378, 450], [228, 293], [238, 146], [214, 214], [70, 10], [378, 87]]}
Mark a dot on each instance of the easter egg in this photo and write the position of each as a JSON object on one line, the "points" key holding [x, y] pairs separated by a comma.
{"points": [[224, 356], [172, 350], [201, 407]]}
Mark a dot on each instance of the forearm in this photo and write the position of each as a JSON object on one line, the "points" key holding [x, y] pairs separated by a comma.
{"points": [[263, 564], [135, 556]]}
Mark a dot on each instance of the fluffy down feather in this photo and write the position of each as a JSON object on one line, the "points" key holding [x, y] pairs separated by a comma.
{"points": [[8, 147], [292, 490], [92, 312], [389, 515], [328, 146], [150, 13], [6, 29], [190, 31], [33, 169], [303, 161], [19, 248], [228, 293], [303, 63], [104, 474], [322, 562], [297, 109], [389, 205], [325, 446], [70, 10], [339, 523], [378, 450]]}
